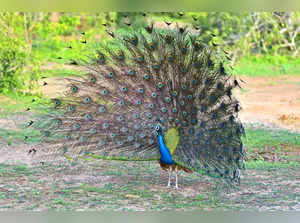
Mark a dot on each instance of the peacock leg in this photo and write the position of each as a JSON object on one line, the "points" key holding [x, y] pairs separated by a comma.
{"points": [[169, 182], [176, 174]]}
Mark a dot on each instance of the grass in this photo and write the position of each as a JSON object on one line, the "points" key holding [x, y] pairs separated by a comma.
{"points": [[53, 50], [108, 188], [22, 169], [3, 170], [269, 148], [264, 165], [15, 136], [267, 66], [61, 72], [260, 137], [16, 103]]}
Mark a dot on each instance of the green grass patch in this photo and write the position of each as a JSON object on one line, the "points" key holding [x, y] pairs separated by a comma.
{"points": [[260, 137], [268, 65], [64, 52], [264, 165], [54, 49], [4, 169], [14, 103], [57, 201], [13, 136], [108, 188], [22, 169], [62, 72]]}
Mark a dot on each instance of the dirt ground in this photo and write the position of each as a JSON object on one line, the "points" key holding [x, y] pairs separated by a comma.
{"points": [[141, 186], [272, 101]]}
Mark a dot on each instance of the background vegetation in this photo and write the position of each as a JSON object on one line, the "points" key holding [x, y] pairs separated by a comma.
{"points": [[260, 43]]}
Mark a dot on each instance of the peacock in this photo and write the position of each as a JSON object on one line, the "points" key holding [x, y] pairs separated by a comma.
{"points": [[150, 94]]}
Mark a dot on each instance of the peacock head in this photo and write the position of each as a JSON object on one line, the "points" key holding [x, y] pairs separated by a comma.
{"points": [[158, 129]]}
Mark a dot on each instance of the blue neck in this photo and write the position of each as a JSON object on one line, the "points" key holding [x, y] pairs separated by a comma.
{"points": [[165, 155]]}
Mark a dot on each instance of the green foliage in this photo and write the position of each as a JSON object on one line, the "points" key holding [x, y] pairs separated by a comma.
{"points": [[244, 34], [71, 30], [19, 67], [67, 24], [29, 40]]}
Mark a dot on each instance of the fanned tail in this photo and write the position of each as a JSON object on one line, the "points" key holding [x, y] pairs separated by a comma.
{"points": [[151, 76]]}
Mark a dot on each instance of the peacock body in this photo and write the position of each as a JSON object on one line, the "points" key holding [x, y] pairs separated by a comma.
{"points": [[152, 95]]}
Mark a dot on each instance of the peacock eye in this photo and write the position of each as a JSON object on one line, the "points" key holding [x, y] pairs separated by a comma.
{"points": [[157, 128]]}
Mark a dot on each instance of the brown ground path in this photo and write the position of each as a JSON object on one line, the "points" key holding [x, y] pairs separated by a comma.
{"points": [[271, 100]]}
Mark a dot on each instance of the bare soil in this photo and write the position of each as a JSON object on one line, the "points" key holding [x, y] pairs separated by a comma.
{"points": [[272, 101]]}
